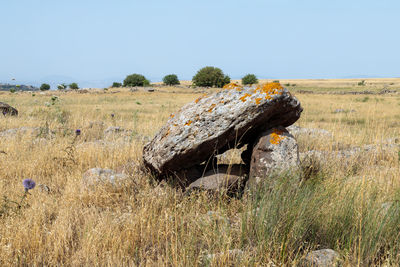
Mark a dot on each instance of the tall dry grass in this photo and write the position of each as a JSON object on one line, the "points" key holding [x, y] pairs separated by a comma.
{"points": [[349, 205]]}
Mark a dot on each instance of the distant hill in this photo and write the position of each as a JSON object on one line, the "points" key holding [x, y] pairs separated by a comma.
{"points": [[22, 87]]}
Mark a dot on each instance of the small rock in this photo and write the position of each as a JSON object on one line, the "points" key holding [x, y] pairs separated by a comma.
{"points": [[274, 151], [224, 177], [97, 176], [340, 110], [20, 131], [44, 188], [297, 131], [322, 258], [6, 109], [114, 129]]}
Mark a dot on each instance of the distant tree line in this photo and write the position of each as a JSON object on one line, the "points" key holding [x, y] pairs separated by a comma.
{"points": [[206, 77]]}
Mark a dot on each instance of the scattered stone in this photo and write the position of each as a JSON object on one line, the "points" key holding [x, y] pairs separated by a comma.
{"points": [[275, 151], [374, 150], [322, 258], [216, 123], [114, 129], [225, 177], [98, 176], [298, 131], [6, 109], [34, 131], [150, 89], [44, 188], [340, 110]]}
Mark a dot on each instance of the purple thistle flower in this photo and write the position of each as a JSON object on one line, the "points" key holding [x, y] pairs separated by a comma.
{"points": [[78, 132], [28, 184], [112, 115]]}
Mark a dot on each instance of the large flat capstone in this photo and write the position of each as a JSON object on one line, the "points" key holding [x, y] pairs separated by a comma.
{"points": [[213, 124]]}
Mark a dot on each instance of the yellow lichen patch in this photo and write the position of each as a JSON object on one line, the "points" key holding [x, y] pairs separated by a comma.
{"points": [[188, 123], [211, 108], [243, 98], [198, 99], [270, 89], [175, 125], [276, 137], [258, 100], [232, 86]]}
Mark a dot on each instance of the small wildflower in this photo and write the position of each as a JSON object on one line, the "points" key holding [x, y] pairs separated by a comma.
{"points": [[78, 132], [112, 115], [28, 184]]}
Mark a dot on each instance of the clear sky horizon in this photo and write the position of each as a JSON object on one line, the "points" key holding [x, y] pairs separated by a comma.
{"points": [[95, 42]]}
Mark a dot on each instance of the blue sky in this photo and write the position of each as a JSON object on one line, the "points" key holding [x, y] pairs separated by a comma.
{"points": [[95, 42]]}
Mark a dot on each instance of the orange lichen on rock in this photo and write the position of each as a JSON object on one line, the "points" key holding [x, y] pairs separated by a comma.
{"points": [[199, 98], [276, 137], [188, 123], [270, 89], [232, 86], [172, 115], [211, 108], [243, 98], [258, 100]]}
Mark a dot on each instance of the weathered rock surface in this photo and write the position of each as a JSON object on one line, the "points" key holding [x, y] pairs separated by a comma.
{"points": [[227, 119], [274, 151], [225, 177], [322, 258], [99, 176], [6, 109], [20, 131]]}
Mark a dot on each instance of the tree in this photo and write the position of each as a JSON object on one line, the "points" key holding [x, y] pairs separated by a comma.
{"points": [[74, 86], [136, 80], [249, 79], [116, 85], [44, 87], [171, 79], [210, 77], [62, 86]]}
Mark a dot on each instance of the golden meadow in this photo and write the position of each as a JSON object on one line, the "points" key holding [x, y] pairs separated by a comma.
{"points": [[351, 206]]}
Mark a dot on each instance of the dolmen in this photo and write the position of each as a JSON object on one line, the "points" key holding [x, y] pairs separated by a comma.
{"points": [[185, 148], [6, 109]]}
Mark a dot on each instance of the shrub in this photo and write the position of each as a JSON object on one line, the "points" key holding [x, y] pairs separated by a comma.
{"points": [[210, 77], [62, 86], [276, 81], [44, 87], [362, 83], [136, 80], [249, 79], [12, 90], [171, 79], [116, 85], [74, 86]]}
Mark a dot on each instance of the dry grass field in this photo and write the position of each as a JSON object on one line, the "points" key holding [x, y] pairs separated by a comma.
{"points": [[343, 85], [351, 205]]}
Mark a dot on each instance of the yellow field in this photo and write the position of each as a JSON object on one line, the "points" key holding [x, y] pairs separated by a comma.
{"points": [[148, 223]]}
